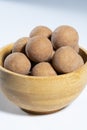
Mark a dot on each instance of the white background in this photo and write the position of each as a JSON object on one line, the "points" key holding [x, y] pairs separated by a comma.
{"points": [[17, 18]]}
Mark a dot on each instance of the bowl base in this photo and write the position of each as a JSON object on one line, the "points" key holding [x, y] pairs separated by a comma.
{"points": [[42, 113]]}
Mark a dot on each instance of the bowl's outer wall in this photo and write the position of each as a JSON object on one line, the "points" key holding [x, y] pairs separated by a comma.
{"points": [[41, 94]]}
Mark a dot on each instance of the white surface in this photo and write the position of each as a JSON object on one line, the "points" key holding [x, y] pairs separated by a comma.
{"points": [[17, 18]]}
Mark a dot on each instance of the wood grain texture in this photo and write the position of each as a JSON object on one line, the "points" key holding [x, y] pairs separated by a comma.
{"points": [[42, 94]]}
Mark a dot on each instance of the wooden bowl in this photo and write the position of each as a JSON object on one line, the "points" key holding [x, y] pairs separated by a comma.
{"points": [[42, 94]]}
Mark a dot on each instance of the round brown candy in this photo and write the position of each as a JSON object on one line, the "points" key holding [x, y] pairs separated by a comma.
{"points": [[17, 62], [43, 69], [65, 36], [66, 60], [39, 49], [41, 30], [19, 45]]}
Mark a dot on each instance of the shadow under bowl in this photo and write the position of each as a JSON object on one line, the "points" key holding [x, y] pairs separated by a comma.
{"points": [[42, 94]]}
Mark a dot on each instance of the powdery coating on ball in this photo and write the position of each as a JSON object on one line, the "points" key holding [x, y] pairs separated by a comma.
{"points": [[41, 30], [53, 52], [39, 49], [17, 62], [19, 45], [65, 36], [43, 69], [76, 48], [66, 60]]}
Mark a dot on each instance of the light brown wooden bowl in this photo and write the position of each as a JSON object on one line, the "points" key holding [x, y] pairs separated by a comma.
{"points": [[42, 94]]}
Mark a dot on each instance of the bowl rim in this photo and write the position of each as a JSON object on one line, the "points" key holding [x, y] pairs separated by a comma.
{"points": [[40, 77]]}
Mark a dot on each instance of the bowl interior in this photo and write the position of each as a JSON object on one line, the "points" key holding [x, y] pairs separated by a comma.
{"points": [[83, 54], [4, 52]]}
